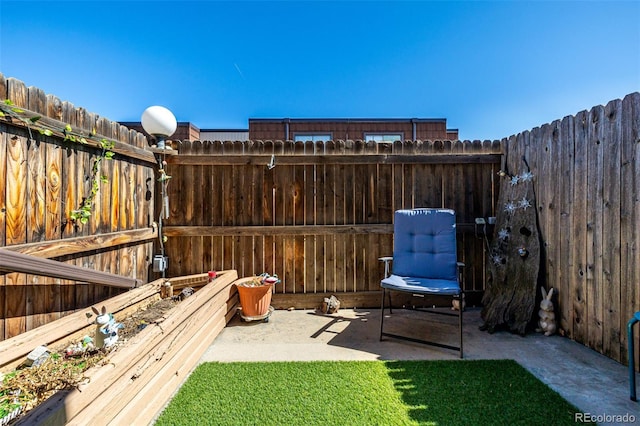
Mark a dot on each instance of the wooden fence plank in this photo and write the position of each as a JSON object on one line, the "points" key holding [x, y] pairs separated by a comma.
{"points": [[54, 215], [36, 230], [114, 202], [579, 276], [612, 327], [56, 179], [16, 201], [3, 209], [630, 216], [15, 308], [566, 190], [594, 227], [106, 189]]}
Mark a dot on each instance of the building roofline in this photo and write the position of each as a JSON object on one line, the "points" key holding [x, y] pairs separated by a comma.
{"points": [[139, 123], [224, 130], [348, 120]]}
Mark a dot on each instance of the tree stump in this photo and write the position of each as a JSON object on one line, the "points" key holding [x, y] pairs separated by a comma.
{"points": [[510, 295]]}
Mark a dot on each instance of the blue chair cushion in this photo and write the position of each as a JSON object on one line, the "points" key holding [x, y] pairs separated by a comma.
{"points": [[424, 244], [421, 285]]}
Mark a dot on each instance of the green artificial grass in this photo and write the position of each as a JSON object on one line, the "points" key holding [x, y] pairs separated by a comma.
{"points": [[484, 392]]}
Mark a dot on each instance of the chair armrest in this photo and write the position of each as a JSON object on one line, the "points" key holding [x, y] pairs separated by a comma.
{"points": [[387, 260]]}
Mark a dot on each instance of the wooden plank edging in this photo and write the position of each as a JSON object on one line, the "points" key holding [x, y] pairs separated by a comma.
{"points": [[144, 355], [13, 350]]}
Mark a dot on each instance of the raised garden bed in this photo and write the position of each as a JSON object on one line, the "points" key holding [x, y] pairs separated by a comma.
{"points": [[143, 372]]}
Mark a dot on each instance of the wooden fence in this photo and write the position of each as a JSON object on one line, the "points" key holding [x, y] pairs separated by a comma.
{"points": [[320, 214], [317, 214], [587, 180], [43, 177]]}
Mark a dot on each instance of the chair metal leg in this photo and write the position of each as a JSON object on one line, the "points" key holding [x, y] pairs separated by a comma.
{"points": [[388, 294], [460, 321], [384, 290], [411, 339]]}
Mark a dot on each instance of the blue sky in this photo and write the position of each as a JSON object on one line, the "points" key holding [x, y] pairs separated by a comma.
{"points": [[491, 68]]}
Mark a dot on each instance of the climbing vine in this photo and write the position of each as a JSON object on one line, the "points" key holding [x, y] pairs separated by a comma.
{"points": [[84, 212], [9, 110]]}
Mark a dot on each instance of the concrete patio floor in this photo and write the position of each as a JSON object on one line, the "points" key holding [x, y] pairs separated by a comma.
{"points": [[592, 382]]}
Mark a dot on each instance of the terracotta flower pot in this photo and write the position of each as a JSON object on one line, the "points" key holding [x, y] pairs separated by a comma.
{"points": [[255, 300]]}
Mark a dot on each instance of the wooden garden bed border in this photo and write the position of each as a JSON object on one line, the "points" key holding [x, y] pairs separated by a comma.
{"points": [[142, 375]]}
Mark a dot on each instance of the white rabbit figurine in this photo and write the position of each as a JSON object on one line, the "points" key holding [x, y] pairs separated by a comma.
{"points": [[547, 321], [106, 329]]}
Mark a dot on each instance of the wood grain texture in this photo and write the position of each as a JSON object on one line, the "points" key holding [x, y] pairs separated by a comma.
{"points": [[594, 227], [578, 281], [613, 326], [303, 199], [45, 178], [630, 216], [11, 261]]}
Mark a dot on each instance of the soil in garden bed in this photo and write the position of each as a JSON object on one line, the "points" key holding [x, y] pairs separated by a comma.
{"points": [[25, 388]]}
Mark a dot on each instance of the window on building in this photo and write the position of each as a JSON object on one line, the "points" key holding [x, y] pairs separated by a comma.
{"points": [[383, 137], [314, 137]]}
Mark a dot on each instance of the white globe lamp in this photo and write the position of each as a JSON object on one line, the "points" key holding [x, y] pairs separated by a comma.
{"points": [[159, 122]]}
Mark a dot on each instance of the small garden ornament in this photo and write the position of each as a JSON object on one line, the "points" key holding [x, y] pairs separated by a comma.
{"points": [[106, 329], [547, 321], [330, 305]]}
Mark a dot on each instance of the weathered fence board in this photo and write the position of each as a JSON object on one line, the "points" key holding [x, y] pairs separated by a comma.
{"points": [[594, 227], [612, 141], [586, 171], [630, 214], [578, 273], [46, 175], [323, 214], [311, 217]]}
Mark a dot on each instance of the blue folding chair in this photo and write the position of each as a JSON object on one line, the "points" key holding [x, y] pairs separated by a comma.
{"points": [[424, 264]]}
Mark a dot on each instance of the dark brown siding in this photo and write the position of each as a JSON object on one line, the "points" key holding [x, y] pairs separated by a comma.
{"points": [[346, 129]]}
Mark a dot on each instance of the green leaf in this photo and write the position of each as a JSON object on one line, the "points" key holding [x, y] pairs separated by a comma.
{"points": [[104, 179], [107, 144], [84, 220], [67, 128], [35, 118], [1, 114], [109, 155], [47, 132], [8, 101], [17, 110], [83, 141]]}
